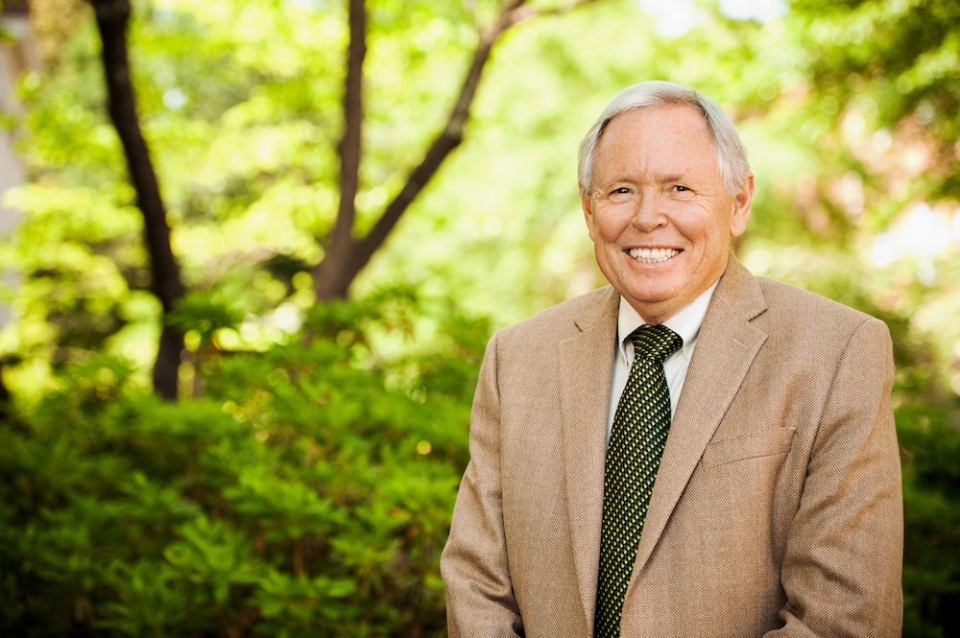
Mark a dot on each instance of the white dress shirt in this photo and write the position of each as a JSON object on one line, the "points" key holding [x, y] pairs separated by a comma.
{"points": [[685, 323]]}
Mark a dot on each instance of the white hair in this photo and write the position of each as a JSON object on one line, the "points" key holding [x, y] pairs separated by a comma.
{"points": [[731, 154]]}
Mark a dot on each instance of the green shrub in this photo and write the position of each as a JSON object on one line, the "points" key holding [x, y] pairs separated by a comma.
{"points": [[308, 493], [930, 444]]}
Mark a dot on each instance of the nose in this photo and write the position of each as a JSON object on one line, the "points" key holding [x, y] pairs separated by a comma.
{"points": [[649, 214]]}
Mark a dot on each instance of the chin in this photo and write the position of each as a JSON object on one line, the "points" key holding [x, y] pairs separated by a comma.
{"points": [[650, 295]]}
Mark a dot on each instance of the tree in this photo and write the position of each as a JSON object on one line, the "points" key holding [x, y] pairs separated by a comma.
{"points": [[348, 255], [847, 108], [345, 248], [112, 18]]}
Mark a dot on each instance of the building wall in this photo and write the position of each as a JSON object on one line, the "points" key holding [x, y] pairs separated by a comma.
{"points": [[15, 58], [11, 170]]}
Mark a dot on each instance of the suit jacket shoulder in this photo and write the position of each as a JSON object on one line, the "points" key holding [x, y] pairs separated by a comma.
{"points": [[785, 314], [817, 309], [565, 319]]}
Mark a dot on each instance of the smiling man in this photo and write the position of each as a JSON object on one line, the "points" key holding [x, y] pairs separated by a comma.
{"points": [[691, 451]]}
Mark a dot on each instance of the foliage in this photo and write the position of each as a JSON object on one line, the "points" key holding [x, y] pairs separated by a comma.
{"points": [[877, 106], [244, 115], [308, 492], [930, 440], [848, 111]]}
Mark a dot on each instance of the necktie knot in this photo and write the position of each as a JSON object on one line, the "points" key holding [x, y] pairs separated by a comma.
{"points": [[655, 342]]}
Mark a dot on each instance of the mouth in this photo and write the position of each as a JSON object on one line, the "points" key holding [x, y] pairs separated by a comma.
{"points": [[653, 255]]}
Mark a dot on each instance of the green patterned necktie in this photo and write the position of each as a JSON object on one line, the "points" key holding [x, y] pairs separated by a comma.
{"points": [[637, 439]]}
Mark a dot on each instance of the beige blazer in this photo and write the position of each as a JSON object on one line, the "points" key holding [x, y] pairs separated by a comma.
{"points": [[777, 510]]}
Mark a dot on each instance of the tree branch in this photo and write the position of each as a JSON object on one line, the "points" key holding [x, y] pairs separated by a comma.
{"points": [[348, 256], [112, 18], [341, 242], [448, 139], [526, 12]]}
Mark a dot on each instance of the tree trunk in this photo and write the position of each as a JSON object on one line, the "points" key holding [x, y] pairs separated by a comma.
{"points": [[333, 274], [112, 18], [346, 256]]}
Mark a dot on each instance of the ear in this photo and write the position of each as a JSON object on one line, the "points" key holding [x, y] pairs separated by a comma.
{"points": [[588, 215], [742, 204]]}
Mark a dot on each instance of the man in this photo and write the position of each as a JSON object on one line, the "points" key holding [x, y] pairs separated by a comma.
{"points": [[774, 506]]}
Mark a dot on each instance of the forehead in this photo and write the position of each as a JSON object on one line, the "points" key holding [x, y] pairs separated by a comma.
{"points": [[674, 135]]}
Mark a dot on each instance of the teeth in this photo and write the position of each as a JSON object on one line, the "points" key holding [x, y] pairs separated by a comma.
{"points": [[653, 255]]}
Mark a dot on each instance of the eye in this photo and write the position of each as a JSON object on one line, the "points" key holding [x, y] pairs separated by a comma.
{"points": [[680, 188], [620, 191]]}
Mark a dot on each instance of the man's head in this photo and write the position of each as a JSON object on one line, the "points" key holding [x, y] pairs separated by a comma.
{"points": [[664, 184]]}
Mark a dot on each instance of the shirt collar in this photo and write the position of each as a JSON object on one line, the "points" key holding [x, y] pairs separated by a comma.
{"points": [[685, 323]]}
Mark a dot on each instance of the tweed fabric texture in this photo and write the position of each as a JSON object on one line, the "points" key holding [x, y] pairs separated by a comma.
{"points": [[777, 503], [637, 440]]}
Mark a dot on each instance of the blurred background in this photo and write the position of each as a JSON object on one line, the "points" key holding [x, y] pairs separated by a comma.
{"points": [[247, 282]]}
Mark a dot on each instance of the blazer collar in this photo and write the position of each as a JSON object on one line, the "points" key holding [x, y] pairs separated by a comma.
{"points": [[586, 374], [726, 346]]}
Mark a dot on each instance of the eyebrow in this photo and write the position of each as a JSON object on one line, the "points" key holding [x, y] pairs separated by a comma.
{"points": [[669, 177], [674, 177]]}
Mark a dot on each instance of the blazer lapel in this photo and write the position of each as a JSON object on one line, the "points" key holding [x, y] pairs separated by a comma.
{"points": [[726, 347], [586, 373]]}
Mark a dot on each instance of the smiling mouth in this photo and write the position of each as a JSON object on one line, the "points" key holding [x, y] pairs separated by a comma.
{"points": [[653, 255]]}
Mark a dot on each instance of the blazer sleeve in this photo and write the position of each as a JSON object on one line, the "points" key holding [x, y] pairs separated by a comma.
{"points": [[842, 568], [474, 567]]}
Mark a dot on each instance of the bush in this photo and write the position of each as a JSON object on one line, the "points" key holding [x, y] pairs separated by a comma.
{"points": [[930, 444], [307, 493]]}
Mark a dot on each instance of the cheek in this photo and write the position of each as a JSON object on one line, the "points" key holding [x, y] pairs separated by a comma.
{"points": [[705, 232], [716, 244], [607, 233], [609, 225]]}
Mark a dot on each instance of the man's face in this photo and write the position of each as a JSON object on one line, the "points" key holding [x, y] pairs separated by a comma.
{"points": [[659, 215]]}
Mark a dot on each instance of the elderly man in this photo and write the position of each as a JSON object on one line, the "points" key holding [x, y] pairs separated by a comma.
{"points": [[691, 451]]}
